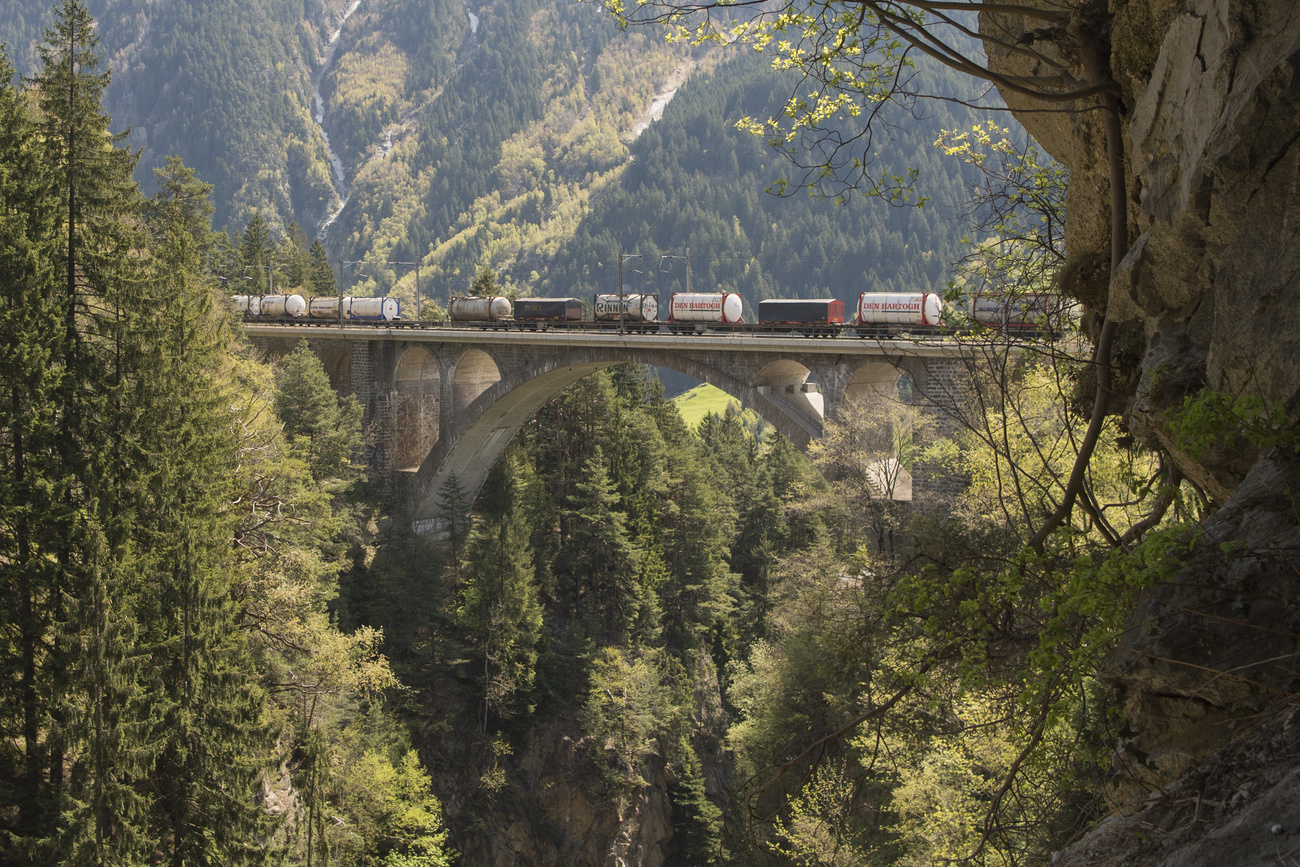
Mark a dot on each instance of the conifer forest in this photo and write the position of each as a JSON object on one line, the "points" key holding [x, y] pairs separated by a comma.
{"points": [[225, 639]]}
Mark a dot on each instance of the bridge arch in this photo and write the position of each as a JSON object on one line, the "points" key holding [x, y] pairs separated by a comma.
{"points": [[481, 429], [337, 362], [787, 382]]}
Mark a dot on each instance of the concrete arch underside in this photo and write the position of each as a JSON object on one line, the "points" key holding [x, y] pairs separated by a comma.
{"points": [[471, 442], [874, 380], [415, 404]]}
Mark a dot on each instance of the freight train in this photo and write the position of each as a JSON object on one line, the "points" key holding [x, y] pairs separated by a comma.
{"points": [[875, 314]]}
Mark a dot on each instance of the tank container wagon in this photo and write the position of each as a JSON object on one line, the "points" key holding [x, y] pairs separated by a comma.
{"points": [[485, 310], [282, 306], [1030, 314], [637, 311], [886, 314], [697, 312], [322, 308]]}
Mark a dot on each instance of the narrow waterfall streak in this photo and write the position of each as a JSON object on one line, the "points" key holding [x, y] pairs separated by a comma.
{"points": [[336, 163]]}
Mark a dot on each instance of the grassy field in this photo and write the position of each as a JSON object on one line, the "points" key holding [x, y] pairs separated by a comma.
{"points": [[695, 404]]}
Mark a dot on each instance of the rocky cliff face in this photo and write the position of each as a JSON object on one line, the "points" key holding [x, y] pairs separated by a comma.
{"points": [[1208, 295], [556, 811]]}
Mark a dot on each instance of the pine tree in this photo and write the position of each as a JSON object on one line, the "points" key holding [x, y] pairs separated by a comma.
{"points": [[256, 250], [453, 514], [696, 519], [293, 258], [137, 717], [320, 274]]}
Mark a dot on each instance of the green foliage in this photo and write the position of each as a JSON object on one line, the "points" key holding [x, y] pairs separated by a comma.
{"points": [[142, 723], [814, 831], [485, 283], [1210, 419], [698, 831], [942, 706], [389, 816], [601, 561], [172, 561], [1016, 213], [867, 456]]}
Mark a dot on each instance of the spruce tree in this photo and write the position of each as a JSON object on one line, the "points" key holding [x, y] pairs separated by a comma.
{"points": [[499, 603], [293, 258], [98, 720], [255, 252], [453, 515], [320, 274], [137, 720], [30, 477], [323, 426], [600, 560], [204, 783]]}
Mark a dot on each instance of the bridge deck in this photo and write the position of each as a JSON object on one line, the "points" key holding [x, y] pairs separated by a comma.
{"points": [[613, 340]]}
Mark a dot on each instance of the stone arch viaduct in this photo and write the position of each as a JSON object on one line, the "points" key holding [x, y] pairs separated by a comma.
{"points": [[444, 401]]}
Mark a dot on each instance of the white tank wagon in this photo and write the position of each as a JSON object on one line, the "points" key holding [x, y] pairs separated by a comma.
{"points": [[283, 306], [719, 308], [923, 309], [249, 305], [1029, 312], [327, 307], [634, 308], [478, 308], [374, 309]]}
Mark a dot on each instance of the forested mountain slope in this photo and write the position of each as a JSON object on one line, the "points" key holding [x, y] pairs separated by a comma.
{"points": [[697, 182], [514, 135]]}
